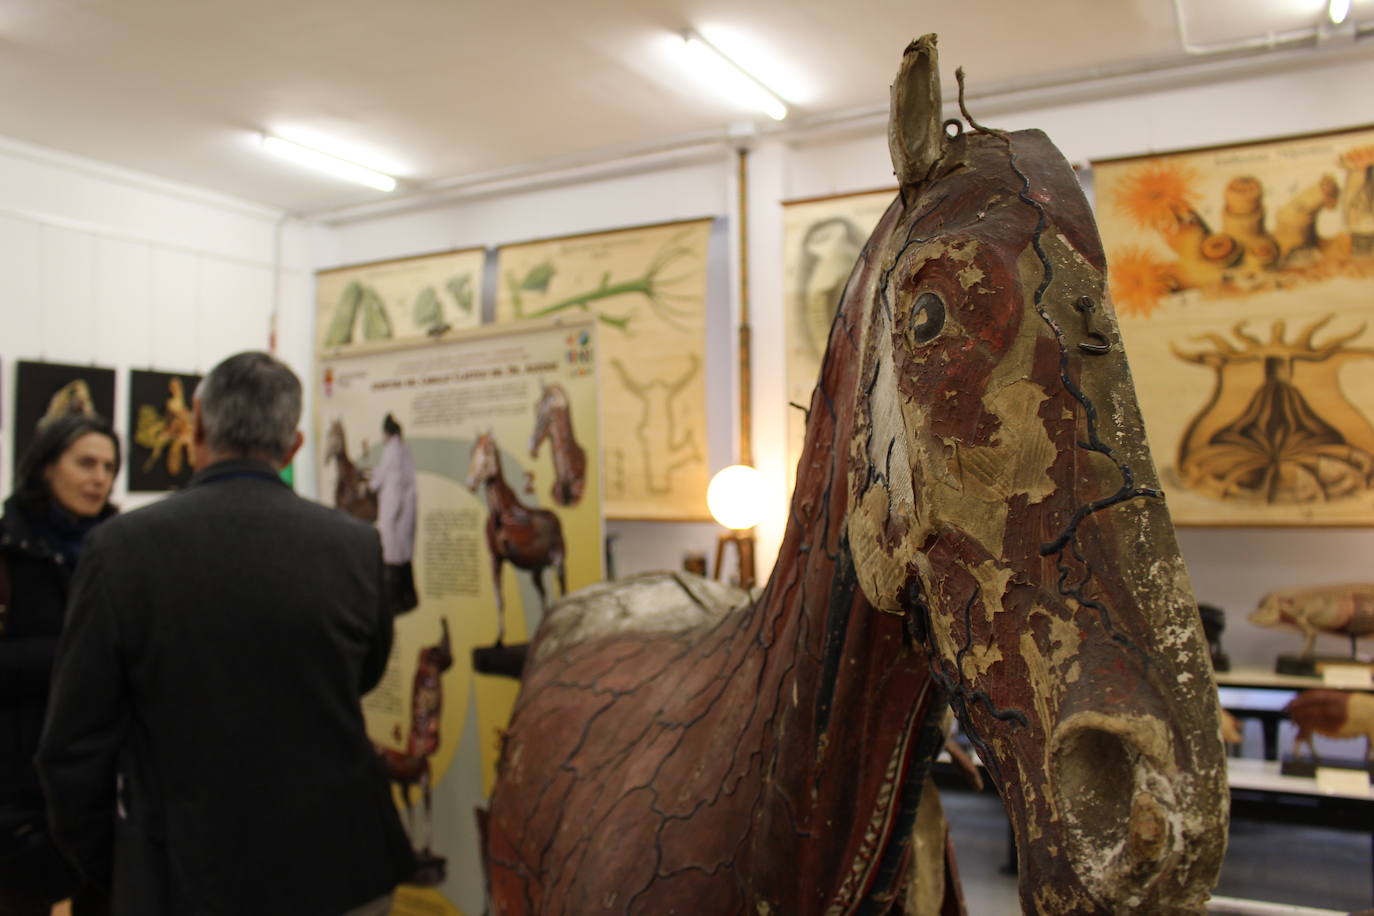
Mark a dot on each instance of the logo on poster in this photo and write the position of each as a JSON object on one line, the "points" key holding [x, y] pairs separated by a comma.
{"points": [[328, 381], [579, 352]]}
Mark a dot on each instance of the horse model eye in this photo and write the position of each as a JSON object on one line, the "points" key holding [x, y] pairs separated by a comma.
{"points": [[927, 317]]}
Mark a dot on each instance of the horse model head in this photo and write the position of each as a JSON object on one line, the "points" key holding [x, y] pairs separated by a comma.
{"points": [[485, 463], [1003, 500]]}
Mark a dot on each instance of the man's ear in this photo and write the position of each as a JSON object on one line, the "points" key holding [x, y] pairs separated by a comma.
{"points": [[291, 452], [197, 423]]}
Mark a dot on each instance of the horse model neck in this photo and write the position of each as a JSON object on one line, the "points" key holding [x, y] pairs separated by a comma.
{"points": [[857, 717]]}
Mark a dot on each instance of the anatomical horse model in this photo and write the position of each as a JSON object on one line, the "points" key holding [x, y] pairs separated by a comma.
{"points": [[975, 525]]}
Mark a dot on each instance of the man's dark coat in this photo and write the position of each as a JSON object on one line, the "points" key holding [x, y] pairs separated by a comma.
{"points": [[215, 651]]}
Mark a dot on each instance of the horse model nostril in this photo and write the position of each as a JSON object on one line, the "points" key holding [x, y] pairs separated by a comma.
{"points": [[1093, 772]]}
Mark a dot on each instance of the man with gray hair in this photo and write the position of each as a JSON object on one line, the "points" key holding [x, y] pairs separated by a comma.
{"points": [[204, 750]]}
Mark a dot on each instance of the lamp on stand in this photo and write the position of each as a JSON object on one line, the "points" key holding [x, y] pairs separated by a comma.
{"points": [[736, 500]]}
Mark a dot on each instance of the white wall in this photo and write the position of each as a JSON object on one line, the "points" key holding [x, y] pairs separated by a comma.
{"points": [[107, 267]]}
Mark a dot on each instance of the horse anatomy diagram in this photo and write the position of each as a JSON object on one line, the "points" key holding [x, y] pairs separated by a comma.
{"points": [[976, 525], [351, 492], [553, 424], [409, 768], [527, 538], [499, 393]]}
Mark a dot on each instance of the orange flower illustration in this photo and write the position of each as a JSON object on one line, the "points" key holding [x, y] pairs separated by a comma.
{"points": [[1157, 194], [1140, 280]]}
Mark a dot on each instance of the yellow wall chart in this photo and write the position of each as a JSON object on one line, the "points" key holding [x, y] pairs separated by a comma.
{"points": [[822, 239], [478, 460], [647, 288], [406, 299], [1243, 278]]}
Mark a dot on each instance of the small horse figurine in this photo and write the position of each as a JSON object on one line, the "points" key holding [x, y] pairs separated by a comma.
{"points": [[975, 524], [553, 422], [531, 539], [351, 492], [409, 769]]}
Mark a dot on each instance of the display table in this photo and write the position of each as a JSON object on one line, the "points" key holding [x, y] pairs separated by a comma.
{"points": [[1260, 791]]}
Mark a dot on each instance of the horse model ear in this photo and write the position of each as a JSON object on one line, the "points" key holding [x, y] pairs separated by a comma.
{"points": [[915, 135]]}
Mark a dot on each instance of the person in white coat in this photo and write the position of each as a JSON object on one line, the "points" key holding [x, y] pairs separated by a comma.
{"points": [[393, 480]]}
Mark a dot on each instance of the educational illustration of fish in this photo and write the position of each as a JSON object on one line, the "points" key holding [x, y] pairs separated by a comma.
{"points": [[478, 461], [417, 298], [647, 289], [1244, 280]]}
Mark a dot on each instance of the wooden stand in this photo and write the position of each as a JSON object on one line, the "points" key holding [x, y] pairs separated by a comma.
{"points": [[744, 547]]}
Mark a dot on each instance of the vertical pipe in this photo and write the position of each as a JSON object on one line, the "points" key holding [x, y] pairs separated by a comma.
{"points": [[746, 412]]}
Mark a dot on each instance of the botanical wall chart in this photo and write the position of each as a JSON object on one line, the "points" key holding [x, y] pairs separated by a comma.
{"points": [[1243, 278], [498, 430], [647, 289], [405, 299], [821, 241]]}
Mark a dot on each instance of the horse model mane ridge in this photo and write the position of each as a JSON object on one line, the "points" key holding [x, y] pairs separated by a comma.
{"points": [[976, 525]]}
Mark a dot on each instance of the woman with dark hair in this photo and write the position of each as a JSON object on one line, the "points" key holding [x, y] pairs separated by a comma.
{"points": [[64, 482]]}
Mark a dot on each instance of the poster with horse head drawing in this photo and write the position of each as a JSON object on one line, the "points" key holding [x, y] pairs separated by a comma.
{"points": [[478, 460]]}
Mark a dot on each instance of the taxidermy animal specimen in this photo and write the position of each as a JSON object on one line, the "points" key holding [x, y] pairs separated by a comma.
{"points": [[1342, 610], [975, 524], [1332, 714]]}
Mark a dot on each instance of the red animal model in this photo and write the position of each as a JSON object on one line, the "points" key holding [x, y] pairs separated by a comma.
{"points": [[531, 539], [1332, 714], [409, 769], [975, 523], [553, 423]]}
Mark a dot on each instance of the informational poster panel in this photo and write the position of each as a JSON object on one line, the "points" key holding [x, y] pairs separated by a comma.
{"points": [[416, 298], [159, 435], [496, 433], [647, 289], [44, 390], [822, 239], [1243, 278]]}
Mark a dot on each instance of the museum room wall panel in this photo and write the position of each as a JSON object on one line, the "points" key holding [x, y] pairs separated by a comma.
{"points": [[102, 265]]}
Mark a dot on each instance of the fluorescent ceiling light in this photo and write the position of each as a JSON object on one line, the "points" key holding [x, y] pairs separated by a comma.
{"points": [[332, 165], [729, 80], [1337, 10]]}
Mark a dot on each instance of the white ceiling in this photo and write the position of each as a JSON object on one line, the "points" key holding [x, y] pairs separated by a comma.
{"points": [[440, 89]]}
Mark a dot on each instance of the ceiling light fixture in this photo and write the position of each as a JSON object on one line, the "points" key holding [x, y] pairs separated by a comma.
{"points": [[332, 165], [1337, 10], [729, 80]]}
